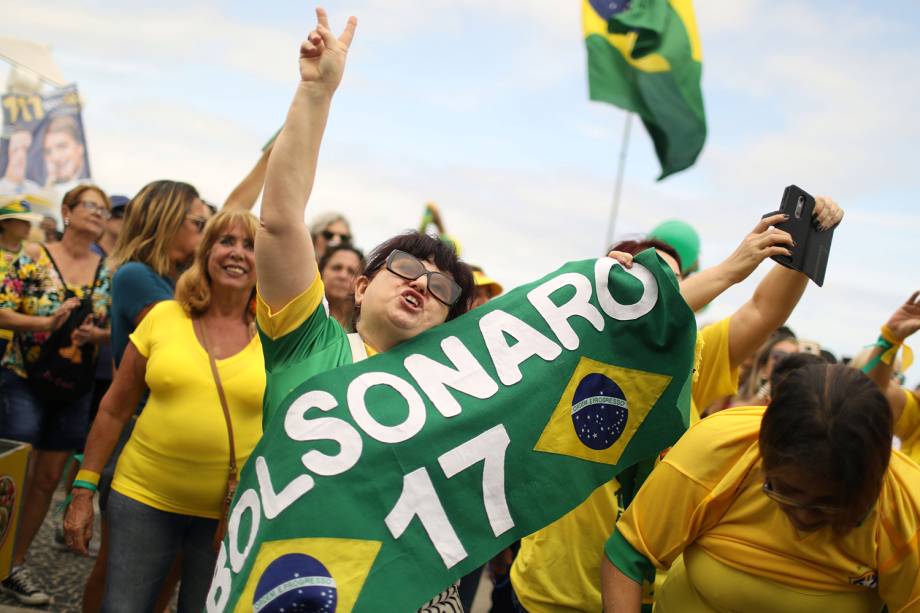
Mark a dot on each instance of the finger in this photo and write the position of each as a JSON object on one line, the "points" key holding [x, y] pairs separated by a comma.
{"points": [[766, 222], [773, 251], [820, 204], [328, 39], [913, 298], [322, 18], [348, 34], [773, 237]]}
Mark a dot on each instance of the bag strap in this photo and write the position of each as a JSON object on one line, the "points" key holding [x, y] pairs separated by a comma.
{"points": [[358, 350], [199, 325]]}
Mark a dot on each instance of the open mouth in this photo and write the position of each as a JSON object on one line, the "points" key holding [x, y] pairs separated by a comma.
{"points": [[413, 299]]}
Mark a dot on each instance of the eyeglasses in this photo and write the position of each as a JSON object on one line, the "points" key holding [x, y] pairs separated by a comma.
{"points": [[407, 266], [772, 494], [329, 234], [198, 222], [95, 209]]}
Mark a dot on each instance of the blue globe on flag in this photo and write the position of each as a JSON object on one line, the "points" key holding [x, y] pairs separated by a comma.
{"points": [[609, 8], [599, 411], [295, 582]]}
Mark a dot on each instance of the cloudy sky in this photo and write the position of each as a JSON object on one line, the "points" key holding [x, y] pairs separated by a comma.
{"points": [[481, 106]]}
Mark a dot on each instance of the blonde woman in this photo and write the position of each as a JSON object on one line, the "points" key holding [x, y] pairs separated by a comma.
{"points": [[172, 475], [161, 230]]}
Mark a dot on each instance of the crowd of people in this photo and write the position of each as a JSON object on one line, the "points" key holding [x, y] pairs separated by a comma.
{"points": [[154, 338]]}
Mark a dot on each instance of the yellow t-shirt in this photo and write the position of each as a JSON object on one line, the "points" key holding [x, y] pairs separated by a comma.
{"points": [[908, 427], [707, 494], [558, 567], [176, 459]]}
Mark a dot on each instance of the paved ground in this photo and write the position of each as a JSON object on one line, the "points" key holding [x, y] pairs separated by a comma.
{"points": [[62, 573]]}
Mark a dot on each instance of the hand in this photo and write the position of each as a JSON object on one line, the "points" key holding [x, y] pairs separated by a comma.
{"points": [[78, 521], [827, 213], [625, 259], [763, 242], [322, 55], [86, 333], [57, 319], [906, 320]]}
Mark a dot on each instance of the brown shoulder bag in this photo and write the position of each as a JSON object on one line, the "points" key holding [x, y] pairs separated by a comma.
{"points": [[232, 473]]}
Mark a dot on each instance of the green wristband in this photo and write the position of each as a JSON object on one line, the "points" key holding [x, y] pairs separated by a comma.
{"points": [[85, 485]]}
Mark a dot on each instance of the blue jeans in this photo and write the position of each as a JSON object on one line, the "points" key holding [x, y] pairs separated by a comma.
{"points": [[143, 543], [23, 417]]}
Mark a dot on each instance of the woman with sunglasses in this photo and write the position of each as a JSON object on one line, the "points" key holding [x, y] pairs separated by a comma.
{"points": [[160, 232], [329, 230], [797, 506], [41, 289], [412, 282]]}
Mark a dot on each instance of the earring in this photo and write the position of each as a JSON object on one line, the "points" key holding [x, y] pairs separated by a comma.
{"points": [[66, 221]]}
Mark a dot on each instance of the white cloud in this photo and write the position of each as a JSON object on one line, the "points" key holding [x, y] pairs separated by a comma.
{"points": [[796, 95]]}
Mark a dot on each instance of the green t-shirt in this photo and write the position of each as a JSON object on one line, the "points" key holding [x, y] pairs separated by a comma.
{"points": [[299, 341]]}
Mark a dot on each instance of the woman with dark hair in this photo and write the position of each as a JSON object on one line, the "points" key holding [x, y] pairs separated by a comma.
{"points": [[799, 506], [339, 268], [59, 286], [412, 282], [558, 567]]}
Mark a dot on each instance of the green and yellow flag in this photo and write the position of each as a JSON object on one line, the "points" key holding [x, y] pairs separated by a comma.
{"points": [[645, 56], [380, 483]]}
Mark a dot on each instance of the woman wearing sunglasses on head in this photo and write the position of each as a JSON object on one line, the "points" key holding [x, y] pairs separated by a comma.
{"points": [[56, 299], [412, 282], [799, 506]]}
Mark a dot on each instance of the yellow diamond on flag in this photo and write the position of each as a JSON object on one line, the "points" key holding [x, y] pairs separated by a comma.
{"points": [[312, 574], [601, 409]]}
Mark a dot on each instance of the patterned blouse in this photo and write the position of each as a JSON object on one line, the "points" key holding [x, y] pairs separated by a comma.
{"points": [[36, 288]]}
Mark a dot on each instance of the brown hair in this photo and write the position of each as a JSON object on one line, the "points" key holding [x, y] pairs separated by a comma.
{"points": [[832, 422], [193, 289], [153, 219], [426, 247], [635, 247], [753, 379], [72, 198]]}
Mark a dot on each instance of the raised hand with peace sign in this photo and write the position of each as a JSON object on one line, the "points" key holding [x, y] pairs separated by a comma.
{"points": [[285, 259], [322, 55]]}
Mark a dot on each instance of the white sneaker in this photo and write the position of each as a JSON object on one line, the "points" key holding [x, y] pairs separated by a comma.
{"points": [[23, 588]]}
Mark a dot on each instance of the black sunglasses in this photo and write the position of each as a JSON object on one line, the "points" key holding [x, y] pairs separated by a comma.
{"points": [[328, 235], [409, 267]]}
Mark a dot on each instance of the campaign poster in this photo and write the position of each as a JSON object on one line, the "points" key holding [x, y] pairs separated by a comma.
{"points": [[43, 145]]}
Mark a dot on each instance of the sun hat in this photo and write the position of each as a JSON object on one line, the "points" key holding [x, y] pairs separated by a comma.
{"points": [[17, 207]]}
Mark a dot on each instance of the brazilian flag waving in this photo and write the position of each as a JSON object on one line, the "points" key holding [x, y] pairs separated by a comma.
{"points": [[645, 56]]}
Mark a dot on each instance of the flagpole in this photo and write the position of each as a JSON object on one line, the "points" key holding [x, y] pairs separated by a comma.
{"points": [[618, 186]]}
